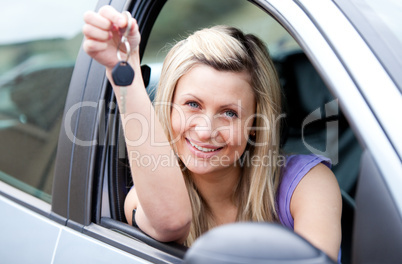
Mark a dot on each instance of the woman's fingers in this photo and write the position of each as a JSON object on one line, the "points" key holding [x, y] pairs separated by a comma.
{"points": [[119, 21], [134, 36], [103, 31], [134, 33], [92, 46], [113, 16], [92, 32], [97, 20]]}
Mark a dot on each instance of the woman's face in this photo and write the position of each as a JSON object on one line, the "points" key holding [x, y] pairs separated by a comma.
{"points": [[211, 116]]}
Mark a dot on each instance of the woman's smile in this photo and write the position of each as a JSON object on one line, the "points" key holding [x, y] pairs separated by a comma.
{"points": [[205, 152], [205, 148]]}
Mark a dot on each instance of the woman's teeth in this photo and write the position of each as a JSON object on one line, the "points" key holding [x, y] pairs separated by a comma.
{"points": [[201, 148]]}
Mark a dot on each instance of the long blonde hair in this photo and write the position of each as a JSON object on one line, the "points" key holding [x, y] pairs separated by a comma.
{"points": [[228, 49]]}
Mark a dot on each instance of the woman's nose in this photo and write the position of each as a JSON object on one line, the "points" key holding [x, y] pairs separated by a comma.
{"points": [[204, 127], [204, 133]]}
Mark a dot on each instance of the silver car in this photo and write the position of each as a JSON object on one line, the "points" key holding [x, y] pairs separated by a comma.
{"points": [[63, 167]]}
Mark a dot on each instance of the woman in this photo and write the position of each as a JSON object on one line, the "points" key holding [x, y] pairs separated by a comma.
{"points": [[218, 106]]}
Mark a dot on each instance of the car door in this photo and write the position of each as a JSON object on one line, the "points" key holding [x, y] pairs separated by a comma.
{"points": [[92, 171], [72, 211], [39, 47]]}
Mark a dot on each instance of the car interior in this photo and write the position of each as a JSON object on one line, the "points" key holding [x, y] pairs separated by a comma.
{"points": [[306, 96]]}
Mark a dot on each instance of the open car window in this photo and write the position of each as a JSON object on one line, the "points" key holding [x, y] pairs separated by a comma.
{"points": [[312, 119]]}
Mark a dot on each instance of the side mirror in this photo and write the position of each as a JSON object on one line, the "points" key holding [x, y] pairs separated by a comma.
{"points": [[253, 243]]}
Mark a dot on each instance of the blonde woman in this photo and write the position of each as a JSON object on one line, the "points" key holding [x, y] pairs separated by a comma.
{"points": [[214, 131]]}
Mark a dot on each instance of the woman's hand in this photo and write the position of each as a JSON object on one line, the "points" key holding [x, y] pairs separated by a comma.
{"points": [[103, 31]]}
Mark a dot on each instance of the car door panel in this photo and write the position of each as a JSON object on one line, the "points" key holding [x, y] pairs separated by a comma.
{"points": [[27, 230], [45, 241], [75, 247], [377, 236]]}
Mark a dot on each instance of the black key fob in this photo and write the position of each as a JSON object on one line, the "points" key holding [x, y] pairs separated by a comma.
{"points": [[123, 74]]}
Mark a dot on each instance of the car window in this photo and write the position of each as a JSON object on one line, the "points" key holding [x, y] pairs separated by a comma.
{"points": [[305, 93], [176, 20], [313, 120], [38, 49]]}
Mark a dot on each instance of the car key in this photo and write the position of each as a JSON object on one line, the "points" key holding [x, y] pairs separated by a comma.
{"points": [[123, 73]]}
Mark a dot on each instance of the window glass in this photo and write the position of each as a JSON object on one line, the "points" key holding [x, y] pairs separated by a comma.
{"points": [[40, 41]]}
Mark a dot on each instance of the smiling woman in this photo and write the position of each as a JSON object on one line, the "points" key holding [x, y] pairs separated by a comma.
{"points": [[218, 101]]}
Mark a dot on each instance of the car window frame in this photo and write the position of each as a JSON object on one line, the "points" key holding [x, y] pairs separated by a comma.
{"points": [[78, 185], [265, 6]]}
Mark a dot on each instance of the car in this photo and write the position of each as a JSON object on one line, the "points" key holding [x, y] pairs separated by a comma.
{"points": [[64, 172]]}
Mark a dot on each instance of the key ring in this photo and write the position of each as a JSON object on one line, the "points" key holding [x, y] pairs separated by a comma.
{"points": [[124, 38]]}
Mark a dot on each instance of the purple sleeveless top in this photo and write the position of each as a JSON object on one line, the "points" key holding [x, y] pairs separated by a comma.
{"points": [[295, 169]]}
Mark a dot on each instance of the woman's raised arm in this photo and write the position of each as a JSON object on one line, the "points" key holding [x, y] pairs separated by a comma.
{"points": [[163, 206]]}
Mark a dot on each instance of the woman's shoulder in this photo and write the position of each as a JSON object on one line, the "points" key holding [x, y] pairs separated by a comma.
{"points": [[295, 168], [300, 162]]}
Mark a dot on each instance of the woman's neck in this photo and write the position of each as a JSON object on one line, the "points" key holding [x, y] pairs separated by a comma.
{"points": [[217, 189]]}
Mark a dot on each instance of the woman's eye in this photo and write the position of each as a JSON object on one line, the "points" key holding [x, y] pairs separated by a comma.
{"points": [[230, 114], [193, 104]]}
